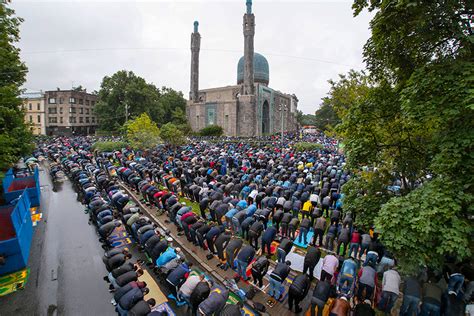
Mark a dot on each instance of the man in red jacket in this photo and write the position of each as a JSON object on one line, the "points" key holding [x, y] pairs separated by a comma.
{"points": [[355, 243]]}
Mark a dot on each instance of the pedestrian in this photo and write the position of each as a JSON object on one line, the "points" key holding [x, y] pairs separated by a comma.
{"points": [[214, 302], [129, 299], [185, 291], [367, 282], [293, 226], [411, 296], [285, 221], [284, 249], [278, 275], [330, 264], [320, 296], [390, 290], [304, 228], [297, 292], [311, 259], [142, 308], [364, 308], [254, 233], [178, 276], [432, 295], [259, 269], [221, 243], [355, 243], [231, 252], [319, 229], [340, 306], [330, 235], [199, 294], [343, 239], [244, 258], [267, 238], [245, 227]]}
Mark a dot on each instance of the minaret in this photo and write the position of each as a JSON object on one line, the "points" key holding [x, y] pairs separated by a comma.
{"points": [[249, 32], [195, 47], [247, 112]]}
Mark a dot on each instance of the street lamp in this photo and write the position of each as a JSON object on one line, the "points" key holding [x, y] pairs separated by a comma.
{"points": [[282, 108]]}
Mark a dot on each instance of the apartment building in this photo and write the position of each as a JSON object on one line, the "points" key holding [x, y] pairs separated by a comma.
{"points": [[34, 107], [70, 112]]}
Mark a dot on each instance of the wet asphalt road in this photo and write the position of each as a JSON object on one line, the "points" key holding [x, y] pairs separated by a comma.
{"points": [[65, 261]]}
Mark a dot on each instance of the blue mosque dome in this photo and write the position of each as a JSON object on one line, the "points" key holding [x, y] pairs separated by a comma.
{"points": [[261, 69]]}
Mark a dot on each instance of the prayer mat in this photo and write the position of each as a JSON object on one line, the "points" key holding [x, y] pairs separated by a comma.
{"points": [[164, 308], [302, 244], [155, 291]]}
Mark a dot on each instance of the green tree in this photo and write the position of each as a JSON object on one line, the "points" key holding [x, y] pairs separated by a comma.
{"points": [[172, 135], [15, 136], [325, 117], [142, 132], [124, 90], [411, 118], [212, 130]]}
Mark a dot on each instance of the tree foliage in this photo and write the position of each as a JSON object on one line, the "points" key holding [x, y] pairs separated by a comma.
{"points": [[15, 136], [410, 119], [172, 135], [142, 132], [211, 130], [124, 88]]}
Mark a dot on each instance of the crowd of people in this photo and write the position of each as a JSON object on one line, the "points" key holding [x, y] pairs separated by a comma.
{"points": [[255, 203]]}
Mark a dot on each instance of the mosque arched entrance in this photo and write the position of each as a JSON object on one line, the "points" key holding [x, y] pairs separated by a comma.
{"points": [[265, 118]]}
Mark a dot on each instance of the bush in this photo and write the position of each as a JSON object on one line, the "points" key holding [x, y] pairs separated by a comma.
{"points": [[109, 146], [212, 130], [307, 146]]}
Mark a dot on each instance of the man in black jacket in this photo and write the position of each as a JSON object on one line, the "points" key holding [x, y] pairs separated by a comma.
{"points": [[321, 294], [311, 259], [231, 252], [199, 294], [279, 274], [254, 233], [297, 291], [259, 269]]}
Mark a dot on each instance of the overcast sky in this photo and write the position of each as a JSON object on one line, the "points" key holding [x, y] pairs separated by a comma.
{"points": [[67, 43]]}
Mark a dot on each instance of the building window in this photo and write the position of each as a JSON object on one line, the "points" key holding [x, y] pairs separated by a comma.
{"points": [[87, 119], [61, 119], [81, 110], [93, 119], [92, 103], [81, 119], [52, 119], [72, 110], [72, 100], [81, 101], [226, 122], [87, 111], [31, 118], [52, 101], [211, 116], [87, 102], [52, 110], [61, 110], [39, 118], [38, 107], [197, 122], [61, 100], [29, 107]]}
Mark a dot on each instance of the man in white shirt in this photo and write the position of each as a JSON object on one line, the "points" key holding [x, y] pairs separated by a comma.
{"points": [[390, 290]]}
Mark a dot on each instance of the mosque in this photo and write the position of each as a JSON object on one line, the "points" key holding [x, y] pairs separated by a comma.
{"points": [[249, 108]]}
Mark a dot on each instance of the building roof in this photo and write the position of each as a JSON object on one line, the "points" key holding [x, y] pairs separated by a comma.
{"points": [[261, 70], [32, 95]]}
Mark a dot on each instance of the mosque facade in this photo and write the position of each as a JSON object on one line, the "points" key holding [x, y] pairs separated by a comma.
{"points": [[249, 108]]}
